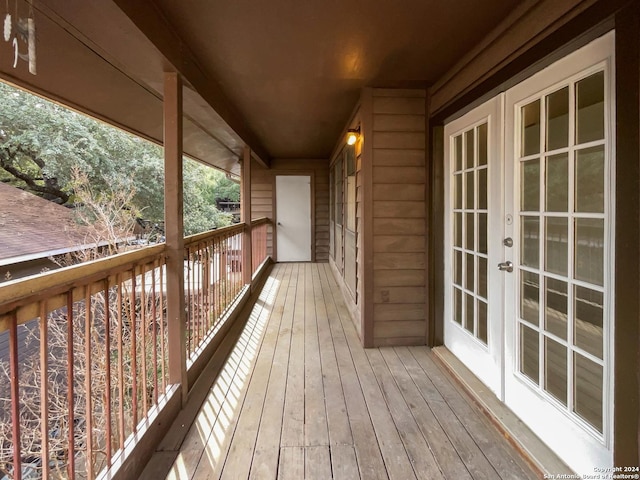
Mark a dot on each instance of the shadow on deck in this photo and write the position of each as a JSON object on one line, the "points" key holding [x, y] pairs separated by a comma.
{"points": [[298, 397]]}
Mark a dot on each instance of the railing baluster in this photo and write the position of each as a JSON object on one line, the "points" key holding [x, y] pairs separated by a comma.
{"points": [[15, 396], [107, 348], [154, 334], [44, 390], [121, 422], [201, 324], [188, 304], [134, 351], [143, 337], [71, 448], [87, 381], [163, 355]]}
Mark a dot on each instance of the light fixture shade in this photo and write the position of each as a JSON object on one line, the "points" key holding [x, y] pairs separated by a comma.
{"points": [[352, 135]]}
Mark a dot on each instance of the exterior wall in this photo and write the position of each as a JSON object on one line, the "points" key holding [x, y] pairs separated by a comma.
{"points": [[399, 231], [263, 195]]}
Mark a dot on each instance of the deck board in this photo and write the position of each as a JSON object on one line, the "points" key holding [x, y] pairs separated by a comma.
{"points": [[305, 400]]}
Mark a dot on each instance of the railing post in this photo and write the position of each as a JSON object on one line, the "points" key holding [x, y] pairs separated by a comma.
{"points": [[174, 230], [245, 205]]}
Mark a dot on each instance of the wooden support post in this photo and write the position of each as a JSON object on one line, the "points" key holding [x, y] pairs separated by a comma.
{"points": [[245, 205], [174, 230]]}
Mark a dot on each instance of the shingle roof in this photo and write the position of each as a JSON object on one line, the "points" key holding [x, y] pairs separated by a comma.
{"points": [[30, 225]]}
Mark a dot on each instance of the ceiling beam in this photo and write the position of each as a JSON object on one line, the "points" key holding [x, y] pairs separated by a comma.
{"points": [[155, 26]]}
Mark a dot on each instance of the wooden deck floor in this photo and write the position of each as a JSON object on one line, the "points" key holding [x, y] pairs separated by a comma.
{"points": [[300, 398]]}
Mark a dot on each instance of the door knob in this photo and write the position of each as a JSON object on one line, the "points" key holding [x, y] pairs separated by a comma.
{"points": [[505, 266]]}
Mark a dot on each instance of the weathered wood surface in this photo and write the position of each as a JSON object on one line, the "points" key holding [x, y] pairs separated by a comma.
{"points": [[303, 400]]}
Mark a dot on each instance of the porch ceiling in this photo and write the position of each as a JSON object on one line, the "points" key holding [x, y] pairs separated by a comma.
{"points": [[282, 76]]}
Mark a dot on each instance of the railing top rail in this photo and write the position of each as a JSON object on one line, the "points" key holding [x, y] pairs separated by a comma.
{"points": [[212, 234], [259, 221], [18, 292]]}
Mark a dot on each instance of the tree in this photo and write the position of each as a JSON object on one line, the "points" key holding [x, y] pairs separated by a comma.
{"points": [[43, 143]]}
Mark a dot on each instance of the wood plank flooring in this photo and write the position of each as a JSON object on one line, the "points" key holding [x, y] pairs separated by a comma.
{"points": [[300, 398]]}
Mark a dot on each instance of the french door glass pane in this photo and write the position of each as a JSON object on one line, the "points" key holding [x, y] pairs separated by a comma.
{"points": [[470, 267], [588, 390], [531, 129], [555, 355], [482, 277], [530, 198], [588, 311], [470, 232], [557, 183], [457, 229], [457, 306], [530, 297], [558, 119], [482, 144], [589, 248], [457, 186], [557, 243], [469, 312], [457, 260], [529, 353], [590, 108], [529, 241], [482, 189], [457, 149], [555, 307], [590, 180], [482, 233], [470, 157], [482, 321], [469, 188]]}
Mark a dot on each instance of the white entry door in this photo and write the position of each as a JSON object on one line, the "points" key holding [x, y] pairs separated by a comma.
{"points": [[473, 239], [293, 213], [529, 251]]}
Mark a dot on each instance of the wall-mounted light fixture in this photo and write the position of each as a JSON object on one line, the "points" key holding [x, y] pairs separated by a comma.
{"points": [[352, 135]]}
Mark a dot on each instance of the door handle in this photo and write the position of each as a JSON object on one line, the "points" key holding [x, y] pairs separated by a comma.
{"points": [[505, 266]]}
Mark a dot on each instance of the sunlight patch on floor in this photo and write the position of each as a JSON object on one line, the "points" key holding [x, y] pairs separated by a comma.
{"points": [[224, 399]]}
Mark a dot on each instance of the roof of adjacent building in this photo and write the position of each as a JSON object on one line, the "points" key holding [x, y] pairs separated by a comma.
{"points": [[32, 227]]}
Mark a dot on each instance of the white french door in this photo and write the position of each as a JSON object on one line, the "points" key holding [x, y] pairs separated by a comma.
{"points": [[473, 228], [549, 252]]}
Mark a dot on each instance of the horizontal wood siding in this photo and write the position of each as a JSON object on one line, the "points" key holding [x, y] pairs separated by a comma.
{"points": [[398, 187], [263, 197]]}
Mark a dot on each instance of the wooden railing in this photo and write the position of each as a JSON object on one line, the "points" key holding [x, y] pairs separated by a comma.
{"points": [[83, 351], [213, 278]]}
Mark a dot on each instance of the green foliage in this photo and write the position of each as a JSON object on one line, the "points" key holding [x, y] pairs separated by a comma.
{"points": [[42, 143]]}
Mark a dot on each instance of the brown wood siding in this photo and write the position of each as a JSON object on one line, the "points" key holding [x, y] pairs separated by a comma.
{"points": [[263, 198], [398, 207]]}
